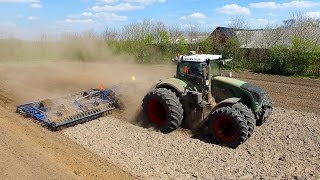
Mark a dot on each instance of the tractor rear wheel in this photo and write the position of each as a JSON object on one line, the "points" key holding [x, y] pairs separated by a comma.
{"points": [[162, 108], [267, 108], [228, 127], [248, 115]]}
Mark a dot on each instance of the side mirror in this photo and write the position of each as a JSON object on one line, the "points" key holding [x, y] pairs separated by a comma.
{"points": [[221, 62]]}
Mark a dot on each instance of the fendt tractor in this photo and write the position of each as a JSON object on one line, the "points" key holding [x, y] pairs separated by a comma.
{"points": [[199, 97]]}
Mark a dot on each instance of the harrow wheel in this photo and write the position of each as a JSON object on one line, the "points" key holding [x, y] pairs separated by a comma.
{"points": [[162, 108], [228, 127]]}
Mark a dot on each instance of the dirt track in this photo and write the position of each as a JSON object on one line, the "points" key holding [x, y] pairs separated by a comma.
{"points": [[287, 146]]}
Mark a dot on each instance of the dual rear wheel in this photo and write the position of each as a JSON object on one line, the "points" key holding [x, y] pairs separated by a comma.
{"points": [[162, 108], [230, 126]]}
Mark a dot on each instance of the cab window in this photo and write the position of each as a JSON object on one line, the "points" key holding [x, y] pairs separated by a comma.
{"points": [[189, 69]]}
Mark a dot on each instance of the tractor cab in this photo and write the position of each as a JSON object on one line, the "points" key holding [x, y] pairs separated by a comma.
{"points": [[195, 68]]}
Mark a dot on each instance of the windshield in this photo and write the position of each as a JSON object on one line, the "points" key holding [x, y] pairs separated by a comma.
{"points": [[215, 69], [189, 69]]}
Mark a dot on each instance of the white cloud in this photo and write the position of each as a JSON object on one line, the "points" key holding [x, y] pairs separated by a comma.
{"points": [[110, 17], [104, 11], [119, 7], [292, 4], [36, 5], [145, 2], [141, 2], [123, 5], [197, 16], [93, 17], [33, 3], [299, 4], [87, 14], [19, 1], [108, 1], [271, 5], [33, 18], [314, 15], [234, 9], [77, 21]]}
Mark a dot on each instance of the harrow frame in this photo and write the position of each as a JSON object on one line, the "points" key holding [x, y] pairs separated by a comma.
{"points": [[102, 104]]}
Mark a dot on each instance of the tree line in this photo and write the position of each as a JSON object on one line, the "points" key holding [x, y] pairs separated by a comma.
{"points": [[292, 48]]}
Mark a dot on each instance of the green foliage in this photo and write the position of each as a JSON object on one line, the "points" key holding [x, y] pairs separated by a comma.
{"points": [[278, 59], [231, 49], [165, 46], [300, 58], [182, 46], [206, 46]]}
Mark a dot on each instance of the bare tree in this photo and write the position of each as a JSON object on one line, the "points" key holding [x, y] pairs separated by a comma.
{"points": [[157, 28], [175, 33], [110, 34], [238, 22], [193, 33]]}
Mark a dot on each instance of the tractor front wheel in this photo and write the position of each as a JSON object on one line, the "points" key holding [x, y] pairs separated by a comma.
{"points": [[162, 108], [228, 127], [267, 108], [248, 115]]}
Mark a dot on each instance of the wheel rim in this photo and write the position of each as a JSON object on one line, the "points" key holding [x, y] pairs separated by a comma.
{"points": [[225, 128], [156, 112]]}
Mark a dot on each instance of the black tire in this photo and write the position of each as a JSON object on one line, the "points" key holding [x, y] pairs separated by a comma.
{"points": [[267, 108], [248, 115], [162, 108], [228, 127]]}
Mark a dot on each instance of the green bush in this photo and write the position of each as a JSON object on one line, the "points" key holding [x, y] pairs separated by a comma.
{"points": [[299, 58]]}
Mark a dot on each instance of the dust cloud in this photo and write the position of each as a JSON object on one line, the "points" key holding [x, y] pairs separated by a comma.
{"points": [[35, 81], [36, 70]]}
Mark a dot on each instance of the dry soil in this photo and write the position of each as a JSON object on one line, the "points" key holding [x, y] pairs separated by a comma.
{"points": [[286, 147]]}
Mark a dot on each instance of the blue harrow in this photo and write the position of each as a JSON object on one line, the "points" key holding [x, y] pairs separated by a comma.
{"points": [[70, 110]]}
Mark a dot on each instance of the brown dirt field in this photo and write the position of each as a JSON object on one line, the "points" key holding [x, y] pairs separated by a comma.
{"points": [[40, 154]]}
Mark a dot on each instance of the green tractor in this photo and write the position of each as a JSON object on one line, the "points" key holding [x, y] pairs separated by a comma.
{"points": [[199, 97]]}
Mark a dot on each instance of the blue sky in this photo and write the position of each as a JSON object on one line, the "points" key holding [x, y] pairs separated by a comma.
{"points": [[29, 18]]}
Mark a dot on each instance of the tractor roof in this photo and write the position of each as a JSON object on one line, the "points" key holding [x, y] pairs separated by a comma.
{"points": [[201, 57]]}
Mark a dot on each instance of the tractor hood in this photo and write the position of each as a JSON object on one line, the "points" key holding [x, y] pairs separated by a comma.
{"points": [[225, 87], [229, 81], [239, 84]]}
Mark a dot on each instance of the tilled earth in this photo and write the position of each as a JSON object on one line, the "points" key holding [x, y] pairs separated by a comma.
{"points": [[286, 147]]}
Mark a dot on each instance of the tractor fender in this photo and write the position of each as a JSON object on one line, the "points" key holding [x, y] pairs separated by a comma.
{"points": [[226, 102], [176, 85]]}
